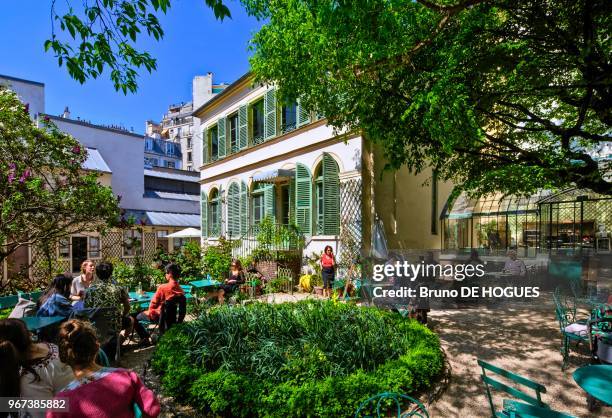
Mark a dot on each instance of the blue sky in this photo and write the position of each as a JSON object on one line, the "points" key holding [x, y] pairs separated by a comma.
{"points": [[194, 43]]}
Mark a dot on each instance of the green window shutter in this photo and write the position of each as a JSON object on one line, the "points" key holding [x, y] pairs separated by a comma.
{"points": [[221, 128], [303, 115], [243, 127], [204, 146], [270, 114], [244, 209], [331, 196], [220, 212], [303, 198], [292, 202], [269, 201], [233, 210], [204, 214]]}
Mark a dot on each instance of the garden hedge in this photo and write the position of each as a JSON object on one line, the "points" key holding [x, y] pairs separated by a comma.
{"points": [[302, 359]]}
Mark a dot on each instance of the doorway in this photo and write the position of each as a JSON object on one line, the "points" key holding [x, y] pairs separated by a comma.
{"points": [[79, 252]]}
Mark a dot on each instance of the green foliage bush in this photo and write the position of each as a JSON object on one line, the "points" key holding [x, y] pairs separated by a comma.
{"points": [[139, 273], [310, 358], [216, 259]]}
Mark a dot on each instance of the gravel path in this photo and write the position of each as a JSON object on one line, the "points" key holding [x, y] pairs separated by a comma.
{"points": [[523, 340]]}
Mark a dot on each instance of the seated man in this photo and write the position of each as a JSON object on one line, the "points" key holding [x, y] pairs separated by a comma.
{"points": [[515, 266], [165, 292]]}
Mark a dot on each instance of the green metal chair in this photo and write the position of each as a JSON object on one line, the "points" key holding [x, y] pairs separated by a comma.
{"points": [[515, 409], [387, 403], [565, 312], [252, 281], [287, 275], [489, 383]]}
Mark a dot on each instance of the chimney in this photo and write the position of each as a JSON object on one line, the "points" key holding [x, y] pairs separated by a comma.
{"points": [[66, 114]]}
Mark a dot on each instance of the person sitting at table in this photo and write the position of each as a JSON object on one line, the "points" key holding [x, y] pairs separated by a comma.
{"points": [[98, 391], [55, 301], [29, 369], [82, 282], [165, 292], [515, 266], [233, 282]]}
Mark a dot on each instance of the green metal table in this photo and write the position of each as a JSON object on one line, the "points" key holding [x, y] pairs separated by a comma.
{"points": [[596, 381], [35, 323], [204, 284]]}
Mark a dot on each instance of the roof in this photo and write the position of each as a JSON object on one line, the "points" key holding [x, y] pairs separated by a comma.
{"points": [[171, 176], [95, 162], [220, 96], [8, 77], [169, 195], [165, 218], [94, 126]]}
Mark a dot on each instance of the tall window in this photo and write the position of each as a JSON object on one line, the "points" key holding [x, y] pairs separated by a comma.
{"points": [[148, 144], [189, 157], [214, 214], [93, 247], [170, 164], [258, 204], [214, 143], [327, 190], [64, 248], [189, 142], [288, 117], [233, 133], [257, 122]]}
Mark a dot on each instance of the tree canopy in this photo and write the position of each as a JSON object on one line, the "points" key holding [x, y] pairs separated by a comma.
{"points": [[44, 192], [510, 95], [90, 36]]}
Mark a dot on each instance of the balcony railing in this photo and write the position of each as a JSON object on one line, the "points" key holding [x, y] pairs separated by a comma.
{"points": [[268, 241]]}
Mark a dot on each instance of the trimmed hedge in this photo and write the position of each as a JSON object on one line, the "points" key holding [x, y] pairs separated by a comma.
{"points": [[302, 359]]}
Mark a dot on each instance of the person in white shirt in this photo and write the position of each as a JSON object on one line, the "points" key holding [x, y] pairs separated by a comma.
{"points": [[82, 282], [515, 266]]}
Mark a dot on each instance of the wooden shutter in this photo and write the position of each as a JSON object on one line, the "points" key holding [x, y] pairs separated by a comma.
{"points": [[220, 212], [204, 146], [244, 209], [243, 127], [303, 198], [204, 214], [292, 201], [303, 115], [221, 128], [269, 201], [270, 114], [331, 196], [233, 211]]}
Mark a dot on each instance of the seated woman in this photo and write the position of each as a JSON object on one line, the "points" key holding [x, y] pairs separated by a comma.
{"points": [[28, 369], [231, 284], [55, 301], [98, 391]]}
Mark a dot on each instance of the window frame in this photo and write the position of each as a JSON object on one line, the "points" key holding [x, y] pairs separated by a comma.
{"points": [[210, 131], [90, 251], [284, 126], [232, 124], [256, 137]]}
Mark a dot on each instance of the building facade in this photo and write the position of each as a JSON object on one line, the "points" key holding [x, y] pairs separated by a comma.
{"points": [[160, 152]]}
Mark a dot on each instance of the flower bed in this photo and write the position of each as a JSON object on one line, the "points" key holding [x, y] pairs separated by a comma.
{"points": [[295, 359]]}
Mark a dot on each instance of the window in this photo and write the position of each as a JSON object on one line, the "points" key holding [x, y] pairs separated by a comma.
{"points": [[214, 214], [320, 205], [233, 133], [258, 207], [93, 247], [286, 206], [178, 243], [170, 164], [288, 117], [169, 148], [178, 131], [132, 243], [64, 248], [189, 168], [189, 158], [148, 144], [257, 121], [214, 143], [327, 199], [189, 142]]}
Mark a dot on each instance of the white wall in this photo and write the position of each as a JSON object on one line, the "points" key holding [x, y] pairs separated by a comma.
{"points": [[29, 92]]}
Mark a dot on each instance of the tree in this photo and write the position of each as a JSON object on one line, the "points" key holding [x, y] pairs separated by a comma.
{"points": [[44, 193], [101, 34], [510, 96]]}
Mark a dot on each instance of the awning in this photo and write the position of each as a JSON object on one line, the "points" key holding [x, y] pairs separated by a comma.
{"points": [[186, 233], [274, 176], [164, 218], [95, 162]]}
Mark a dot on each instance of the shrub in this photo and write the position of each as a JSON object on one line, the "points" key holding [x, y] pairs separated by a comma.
{"points": [[309, 358], [216, 259]]}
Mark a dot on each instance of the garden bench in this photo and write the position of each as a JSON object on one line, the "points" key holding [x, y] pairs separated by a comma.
{"points": [[285, 275], [383, 404], [489, 382]]}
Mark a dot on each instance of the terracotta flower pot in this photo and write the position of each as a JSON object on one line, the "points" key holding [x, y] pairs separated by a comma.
{"points": [[318, 290]]}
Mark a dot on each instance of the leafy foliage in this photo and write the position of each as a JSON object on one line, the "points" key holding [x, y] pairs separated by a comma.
{"points": [[140, 273], [188, 258], [44, 194], [297, 359], [216, 259], [507, 96], [100, 34]]}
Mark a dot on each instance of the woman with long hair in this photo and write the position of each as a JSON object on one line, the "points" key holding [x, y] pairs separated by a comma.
{"points": [[328, 270], [231, 284], [28, 369], [98, 391], [55, 301], [82, 282]]}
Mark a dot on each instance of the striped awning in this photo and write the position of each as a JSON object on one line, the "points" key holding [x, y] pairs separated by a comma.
{"points": [[274, 176]]}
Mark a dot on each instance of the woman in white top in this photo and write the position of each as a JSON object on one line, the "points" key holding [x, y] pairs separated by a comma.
{"points": [[82, 282], [28, 369]]}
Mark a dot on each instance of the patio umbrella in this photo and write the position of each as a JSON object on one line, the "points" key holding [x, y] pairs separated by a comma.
{"points": [[186, 233]]}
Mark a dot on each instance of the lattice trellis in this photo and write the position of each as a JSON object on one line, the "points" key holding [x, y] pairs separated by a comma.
{"points": [[148, 246], [112, 245], [350, 220]]}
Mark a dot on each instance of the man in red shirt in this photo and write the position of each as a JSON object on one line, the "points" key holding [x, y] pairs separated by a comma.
{"points": [[164, 292]]}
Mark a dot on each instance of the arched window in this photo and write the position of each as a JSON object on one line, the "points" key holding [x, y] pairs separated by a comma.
{"points": [[327, 196], [262, 202], [214, 213]]}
